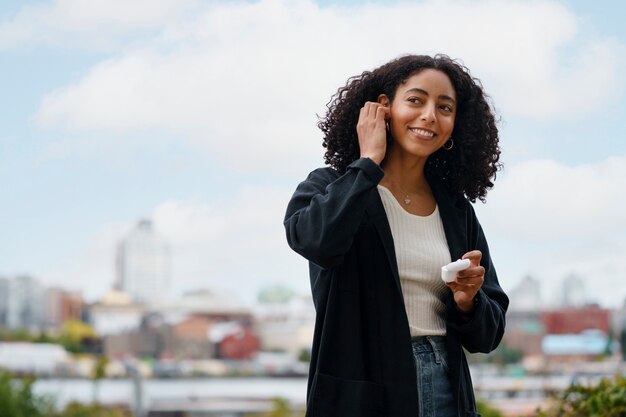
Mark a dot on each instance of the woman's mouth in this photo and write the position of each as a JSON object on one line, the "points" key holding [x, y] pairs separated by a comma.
{"points": [[422, 132]]}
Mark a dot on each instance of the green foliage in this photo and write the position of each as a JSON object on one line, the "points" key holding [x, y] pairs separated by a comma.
{"points": [[485, 410], [73, 334], [43, 338], [19, 335], [606, 399], [305, 355], [92, 410], [281, 409], [502, 355], [17, 398], [99, 369]]}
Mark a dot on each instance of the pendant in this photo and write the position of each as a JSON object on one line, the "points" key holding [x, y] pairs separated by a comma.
{"points": [[407, 200]]}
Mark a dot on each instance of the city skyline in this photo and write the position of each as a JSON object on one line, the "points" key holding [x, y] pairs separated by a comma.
{"points": [[202, 117]]}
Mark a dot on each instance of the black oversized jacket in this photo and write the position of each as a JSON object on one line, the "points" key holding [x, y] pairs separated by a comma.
{"points": [[362, 363]]}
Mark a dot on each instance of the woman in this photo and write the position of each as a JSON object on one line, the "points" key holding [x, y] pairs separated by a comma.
{"points": [[409, 145]]}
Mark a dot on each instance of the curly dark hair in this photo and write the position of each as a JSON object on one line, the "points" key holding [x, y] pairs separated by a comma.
{"points": [[468, 168]]}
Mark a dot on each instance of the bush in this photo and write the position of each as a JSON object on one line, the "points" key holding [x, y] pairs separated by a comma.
{"points": [[606, 399], [92, 410], [17, 398], [485, 410]]}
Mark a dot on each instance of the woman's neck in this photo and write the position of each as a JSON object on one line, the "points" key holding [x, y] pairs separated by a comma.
{"points": [[406, 173]]}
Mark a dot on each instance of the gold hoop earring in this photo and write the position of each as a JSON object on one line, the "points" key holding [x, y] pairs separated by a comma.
{"points": [[447, 148]]}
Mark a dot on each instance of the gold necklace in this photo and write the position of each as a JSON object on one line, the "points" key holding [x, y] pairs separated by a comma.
{"points": [[407, 197]]}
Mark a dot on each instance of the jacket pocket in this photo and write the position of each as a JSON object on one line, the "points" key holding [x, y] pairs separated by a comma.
{"points": [[338, 397]]}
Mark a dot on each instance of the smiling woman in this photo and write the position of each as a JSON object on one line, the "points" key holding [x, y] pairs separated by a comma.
{"points": [[410, 144]]}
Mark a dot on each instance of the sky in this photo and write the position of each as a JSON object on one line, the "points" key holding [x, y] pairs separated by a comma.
{"points": [[201, 115]]}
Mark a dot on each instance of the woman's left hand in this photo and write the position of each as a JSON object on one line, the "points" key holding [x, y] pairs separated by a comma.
{"points": [[468, 282]]}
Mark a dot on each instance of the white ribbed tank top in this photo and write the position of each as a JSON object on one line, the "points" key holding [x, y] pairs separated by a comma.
{"points": [[421, 251]]}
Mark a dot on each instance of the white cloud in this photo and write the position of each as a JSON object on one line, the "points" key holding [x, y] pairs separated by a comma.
{"points": [[543, 200], [550, 220], [244, 80], [90, 266], [542, 218], [236, 244], [89, 24], [233, 245]]}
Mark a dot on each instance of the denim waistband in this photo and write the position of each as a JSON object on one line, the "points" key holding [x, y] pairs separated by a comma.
{"points": [[428, 343]]}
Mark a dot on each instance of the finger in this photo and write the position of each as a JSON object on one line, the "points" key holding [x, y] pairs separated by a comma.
{"points": [[470, 289], [381, 115], [474, 256], [472, 271], [362, 117], [363, 112], [371, 109], [383, 112], [470, 282]]}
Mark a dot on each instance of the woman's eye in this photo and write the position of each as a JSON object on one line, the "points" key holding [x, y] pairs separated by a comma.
{"points": [[414, 100], [446, 108]]}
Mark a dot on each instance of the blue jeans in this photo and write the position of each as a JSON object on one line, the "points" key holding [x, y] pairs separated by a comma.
{"points": [[433, 380]]}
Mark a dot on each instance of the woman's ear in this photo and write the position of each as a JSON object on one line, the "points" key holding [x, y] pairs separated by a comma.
{"points": [[384, 100]]}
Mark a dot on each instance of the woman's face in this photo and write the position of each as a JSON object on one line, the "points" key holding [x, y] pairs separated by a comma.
{"points": [[422, 113]]}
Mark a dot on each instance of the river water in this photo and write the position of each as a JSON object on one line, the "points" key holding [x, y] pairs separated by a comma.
{"points": [[118, 391]]}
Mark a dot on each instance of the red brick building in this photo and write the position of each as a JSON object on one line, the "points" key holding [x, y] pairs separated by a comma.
{"points": [[573, 320]]}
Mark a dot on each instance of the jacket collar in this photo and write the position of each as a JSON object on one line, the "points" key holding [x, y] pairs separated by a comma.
{"points": [[378, 216]]}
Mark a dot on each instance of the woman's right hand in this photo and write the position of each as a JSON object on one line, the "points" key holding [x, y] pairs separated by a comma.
{"points": [[372, 132]]}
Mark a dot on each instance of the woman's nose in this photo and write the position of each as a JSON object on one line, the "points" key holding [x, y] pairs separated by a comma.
{"points": [[428, 114]]}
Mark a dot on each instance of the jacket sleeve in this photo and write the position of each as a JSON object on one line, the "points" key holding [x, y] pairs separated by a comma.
{"points": [[326, 209], [485, 328]]}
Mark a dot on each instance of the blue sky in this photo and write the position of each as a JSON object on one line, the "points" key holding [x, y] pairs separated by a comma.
{"points": [[201, 116]]}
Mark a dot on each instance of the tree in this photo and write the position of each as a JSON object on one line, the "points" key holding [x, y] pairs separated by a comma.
{"points": [[99, 372], [486, 410], [92, 410], [304, 355], [606, 399], [73, 333], [17, 398]]}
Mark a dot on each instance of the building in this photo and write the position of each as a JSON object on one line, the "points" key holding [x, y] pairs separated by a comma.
{"points": [[285, 322], [572, 320], [186, 328], [143, 264], [574, 292], [115, 313], [526, 296], [4, 302], [24, 298], [33, 358], [61, 305], [234, 340], [587, 345], [524, 332]]}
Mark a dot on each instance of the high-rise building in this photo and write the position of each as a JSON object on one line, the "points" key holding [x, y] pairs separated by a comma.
{"points": [[143, 264], [4, 301], [24, 308], [574, 292], [526, 296]]}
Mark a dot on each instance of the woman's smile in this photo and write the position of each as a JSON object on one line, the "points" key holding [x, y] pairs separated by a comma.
{"points": [[422, 133], [422, 113]]}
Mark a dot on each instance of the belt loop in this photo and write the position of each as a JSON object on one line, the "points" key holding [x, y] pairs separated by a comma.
{"points": [[435, 350]]}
